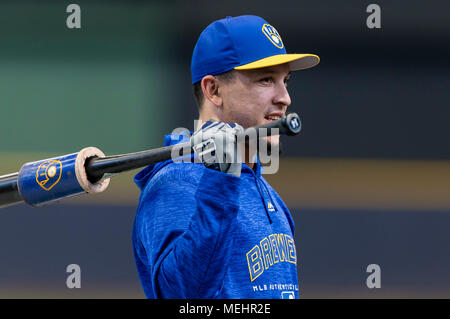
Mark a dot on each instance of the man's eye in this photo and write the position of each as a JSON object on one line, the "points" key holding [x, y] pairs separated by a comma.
{"points": [[286, 81], [266, 80]]}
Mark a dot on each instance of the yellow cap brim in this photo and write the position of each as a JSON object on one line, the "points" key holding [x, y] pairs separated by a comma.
{"points": [[296, 62]]}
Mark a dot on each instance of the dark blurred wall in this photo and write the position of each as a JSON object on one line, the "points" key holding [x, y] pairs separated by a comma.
{"points": [[334, 247], [380, 93]]}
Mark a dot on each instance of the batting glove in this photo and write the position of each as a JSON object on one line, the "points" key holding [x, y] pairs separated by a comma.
{"points": [[216, 145]]}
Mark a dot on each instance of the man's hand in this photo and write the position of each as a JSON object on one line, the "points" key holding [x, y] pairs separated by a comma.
{"points": [[216, 145]]}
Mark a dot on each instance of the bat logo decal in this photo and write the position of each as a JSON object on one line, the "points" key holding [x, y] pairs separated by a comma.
{"points": [[294, 123], [48, 174]]}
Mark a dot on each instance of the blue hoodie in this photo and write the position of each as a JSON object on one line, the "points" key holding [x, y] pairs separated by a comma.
{"points": [[200, 233]]}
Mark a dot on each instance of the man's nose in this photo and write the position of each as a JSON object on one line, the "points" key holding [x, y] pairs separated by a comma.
{"points": [[282, 97]]}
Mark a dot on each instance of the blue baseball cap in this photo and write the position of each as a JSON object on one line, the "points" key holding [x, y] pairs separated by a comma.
{"points": [[242, 43]]}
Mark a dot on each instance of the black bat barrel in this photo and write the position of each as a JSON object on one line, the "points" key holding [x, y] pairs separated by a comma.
{"points": [[97, 167], [9, 191]]}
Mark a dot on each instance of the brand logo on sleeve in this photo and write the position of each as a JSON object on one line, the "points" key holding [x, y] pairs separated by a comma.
{"points": [[287, 295]]}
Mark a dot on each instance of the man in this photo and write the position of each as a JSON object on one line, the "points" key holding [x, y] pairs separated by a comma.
{"points": [[217, 229]]}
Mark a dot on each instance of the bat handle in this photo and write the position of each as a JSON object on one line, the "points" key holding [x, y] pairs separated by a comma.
{"points": [[287, 125]]}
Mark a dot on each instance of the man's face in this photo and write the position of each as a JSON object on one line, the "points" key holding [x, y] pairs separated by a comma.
{"points": [[255, 97]]}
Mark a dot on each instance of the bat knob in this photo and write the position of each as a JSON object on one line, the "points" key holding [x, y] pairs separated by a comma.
{"points": [[292, 124]]}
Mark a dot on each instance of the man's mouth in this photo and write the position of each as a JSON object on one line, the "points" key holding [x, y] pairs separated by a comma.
{"points": [[272, 117]]}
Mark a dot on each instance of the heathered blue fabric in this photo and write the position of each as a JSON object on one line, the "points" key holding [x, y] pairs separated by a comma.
{"points": [[200, 233]]}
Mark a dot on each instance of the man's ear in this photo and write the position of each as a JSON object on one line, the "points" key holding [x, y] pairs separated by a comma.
{"points": [[210, 88]]}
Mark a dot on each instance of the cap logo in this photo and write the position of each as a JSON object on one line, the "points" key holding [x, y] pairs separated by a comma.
{"points": [[272, 34]]}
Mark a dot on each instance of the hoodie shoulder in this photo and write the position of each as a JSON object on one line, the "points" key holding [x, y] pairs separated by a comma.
{"points": [[173, 173]]}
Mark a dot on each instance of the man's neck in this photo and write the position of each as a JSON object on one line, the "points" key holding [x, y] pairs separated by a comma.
{"points": [[251, 165], [249, 157]]}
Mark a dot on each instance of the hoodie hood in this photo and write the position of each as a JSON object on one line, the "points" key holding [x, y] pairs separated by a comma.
{"points": [[147, 173]]}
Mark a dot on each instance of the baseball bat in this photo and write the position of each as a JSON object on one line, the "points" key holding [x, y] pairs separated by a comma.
{"points": [[88, 171]]}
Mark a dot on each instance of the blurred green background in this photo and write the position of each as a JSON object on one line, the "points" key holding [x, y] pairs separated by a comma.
{"points": [[367, 180], [66, 88]]}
